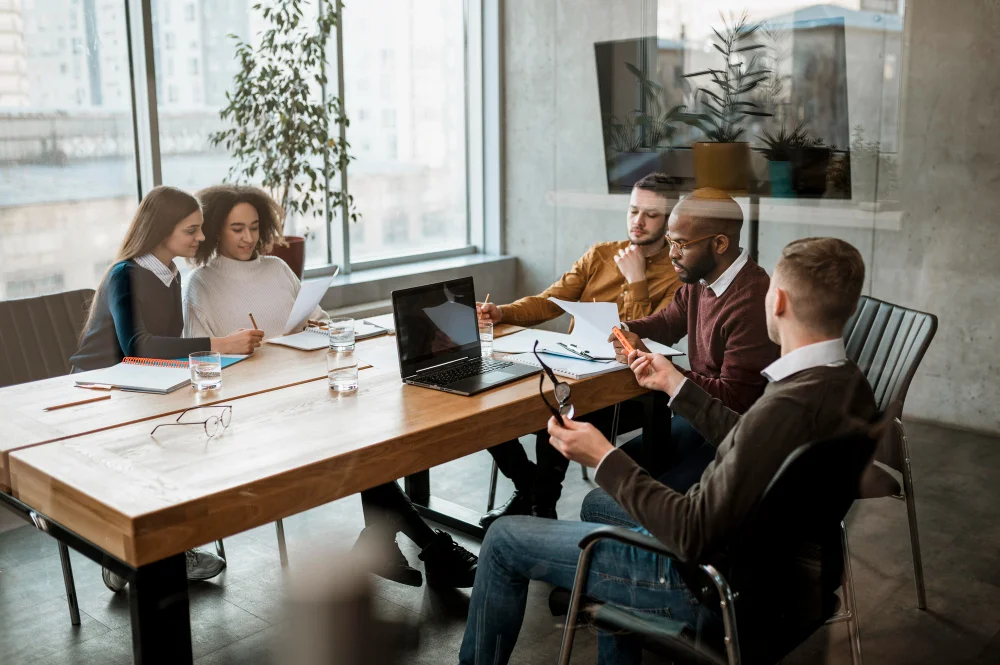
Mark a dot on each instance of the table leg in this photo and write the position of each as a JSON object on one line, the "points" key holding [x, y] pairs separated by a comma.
{"points": [[753, 226], [445, 513], [161, 620], [655, 424]]}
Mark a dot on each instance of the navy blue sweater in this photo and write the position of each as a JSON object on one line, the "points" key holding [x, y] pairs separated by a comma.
{"points": [[136, 315]]}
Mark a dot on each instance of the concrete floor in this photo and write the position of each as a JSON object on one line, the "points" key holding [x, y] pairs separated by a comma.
{"points": [[237, 617]]}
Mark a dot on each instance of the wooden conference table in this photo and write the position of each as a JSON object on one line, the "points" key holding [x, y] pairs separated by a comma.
{"points": [[93, 477]]}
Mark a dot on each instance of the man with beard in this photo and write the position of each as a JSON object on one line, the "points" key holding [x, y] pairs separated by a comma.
{"points": [[720, 309], [638, 276]]}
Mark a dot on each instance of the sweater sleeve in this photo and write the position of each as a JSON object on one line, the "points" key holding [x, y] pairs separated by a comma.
{"points": [[694, 524], [196, 322], [748, 351], [133, 338], [708, 415], [638, 304], [533, 310], [667, 325]]}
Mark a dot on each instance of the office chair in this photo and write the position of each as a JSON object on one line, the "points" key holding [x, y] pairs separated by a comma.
{"points": [[888, 342], [37, 338], [778, 581]]}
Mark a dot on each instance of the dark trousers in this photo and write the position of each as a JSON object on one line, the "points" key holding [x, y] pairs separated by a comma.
{"points": [[389, 506], [677, 463], [544, 478]]}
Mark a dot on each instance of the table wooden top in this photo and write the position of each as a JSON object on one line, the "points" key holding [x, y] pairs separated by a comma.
{"points": [[143, 498]]}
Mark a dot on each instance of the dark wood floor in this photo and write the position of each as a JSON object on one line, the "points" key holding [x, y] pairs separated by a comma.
{"points": [[237, 617]]}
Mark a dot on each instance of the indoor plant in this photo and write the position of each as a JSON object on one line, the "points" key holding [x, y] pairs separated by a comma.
{"points": [[778, 154], [283, 131], [723, 161]]}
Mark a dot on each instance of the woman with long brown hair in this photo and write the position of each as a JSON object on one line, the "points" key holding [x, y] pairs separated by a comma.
{"points": [[137, 308]]}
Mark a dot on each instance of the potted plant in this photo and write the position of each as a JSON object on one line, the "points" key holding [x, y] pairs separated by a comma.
{"points": [[810, 163], [723, 161], [281, 133], [778, 155]]}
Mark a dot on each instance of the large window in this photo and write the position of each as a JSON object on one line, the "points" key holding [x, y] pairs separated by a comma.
{"points": [[67, 160]]}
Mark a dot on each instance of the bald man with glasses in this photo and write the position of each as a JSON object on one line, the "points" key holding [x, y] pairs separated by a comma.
{"points": [[720, 308]]}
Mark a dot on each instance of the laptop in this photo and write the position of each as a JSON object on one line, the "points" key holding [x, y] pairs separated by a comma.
{"points": [[437, 337]]}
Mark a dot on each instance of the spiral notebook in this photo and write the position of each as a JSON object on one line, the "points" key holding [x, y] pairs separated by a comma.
{"points": [[146, 375], [312, 339], [569, 367]]}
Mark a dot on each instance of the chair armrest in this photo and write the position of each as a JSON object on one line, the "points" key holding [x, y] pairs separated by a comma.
{"points": [[626, 537]]}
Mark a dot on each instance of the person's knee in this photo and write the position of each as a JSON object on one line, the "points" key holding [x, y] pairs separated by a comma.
{"points": [[593, 504]]}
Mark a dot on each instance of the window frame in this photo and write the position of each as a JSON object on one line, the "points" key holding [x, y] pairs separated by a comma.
{"points": [[481, 59]]}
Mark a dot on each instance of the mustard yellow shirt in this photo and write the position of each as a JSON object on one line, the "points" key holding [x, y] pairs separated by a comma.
{"points": [[595, 276]]}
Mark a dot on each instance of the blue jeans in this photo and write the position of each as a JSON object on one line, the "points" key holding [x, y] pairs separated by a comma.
{"points": [[519, 549]]}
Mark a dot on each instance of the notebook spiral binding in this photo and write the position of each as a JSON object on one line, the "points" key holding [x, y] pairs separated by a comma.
{"points": [[155, 362]]}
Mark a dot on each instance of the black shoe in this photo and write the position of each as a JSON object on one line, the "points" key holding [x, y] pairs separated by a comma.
{"points": [[544, 511], [395, 567], [448, 564], [518, 504]]}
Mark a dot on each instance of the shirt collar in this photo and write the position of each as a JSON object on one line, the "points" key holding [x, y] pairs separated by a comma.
{"points": [[155, 266], [830, 352], [720, 285]]}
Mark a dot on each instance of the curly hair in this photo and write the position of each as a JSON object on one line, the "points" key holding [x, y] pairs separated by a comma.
{"points": [[216, 204]]}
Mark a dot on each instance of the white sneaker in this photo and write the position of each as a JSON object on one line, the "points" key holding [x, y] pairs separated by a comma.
{"points": [[113, 581], [202, 565]]}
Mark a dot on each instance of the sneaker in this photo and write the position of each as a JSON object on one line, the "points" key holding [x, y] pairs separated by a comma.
{"points": [[448, 564], [113, 581], [202, 565], [519, 503], [395, 567]]}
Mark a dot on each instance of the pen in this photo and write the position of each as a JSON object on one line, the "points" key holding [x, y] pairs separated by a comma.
{"points": [[253, 322], [487, 299], [83, 401]]}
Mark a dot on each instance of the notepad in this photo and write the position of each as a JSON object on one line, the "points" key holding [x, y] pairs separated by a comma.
{"points": [[146, 375], [569, 367], [310, 339]]}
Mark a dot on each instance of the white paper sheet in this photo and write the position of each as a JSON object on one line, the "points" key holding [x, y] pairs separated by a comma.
{"points": [[592, 324], [308, 299]]}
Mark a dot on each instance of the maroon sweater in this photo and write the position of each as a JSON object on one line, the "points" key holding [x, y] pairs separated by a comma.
{"points": [[728, 344]]}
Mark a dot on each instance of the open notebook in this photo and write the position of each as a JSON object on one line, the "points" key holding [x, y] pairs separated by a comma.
{"points": [[145, 375], [312, 339], [569, 367]]}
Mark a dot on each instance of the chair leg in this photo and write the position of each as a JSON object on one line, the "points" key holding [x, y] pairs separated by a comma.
{"points": [[67, 569], [492, 499], [282, 550], [911, 516], [220, 549], [853, 625], [583, 470], [569, 630]]}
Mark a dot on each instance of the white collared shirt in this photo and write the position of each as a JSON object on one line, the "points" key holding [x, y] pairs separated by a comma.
{"points": [[720, 285], [155, 266], [828, 353]]}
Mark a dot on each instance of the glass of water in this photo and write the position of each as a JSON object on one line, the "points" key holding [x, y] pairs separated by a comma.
{"points": [[206, 370], [486, 338], [342, 370], [342, 334]]}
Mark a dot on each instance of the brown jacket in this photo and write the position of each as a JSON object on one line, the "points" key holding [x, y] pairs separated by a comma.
{"points": [[595, 276]]}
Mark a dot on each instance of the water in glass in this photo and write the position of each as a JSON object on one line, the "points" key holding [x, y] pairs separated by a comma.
{"points": [[342, 334], [342, 371], [206, 370], [486, 338]]}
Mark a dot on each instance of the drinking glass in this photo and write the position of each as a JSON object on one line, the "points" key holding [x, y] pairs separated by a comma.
{"points": [[486, 338], [342, 334], [206, 370], [342, 370]]}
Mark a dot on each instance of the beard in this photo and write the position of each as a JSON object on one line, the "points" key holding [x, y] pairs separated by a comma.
{"points": [[652, 240], [695, 273]]}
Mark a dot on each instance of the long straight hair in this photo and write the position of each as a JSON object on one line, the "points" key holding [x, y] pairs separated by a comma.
{"points": [[159, 212]]}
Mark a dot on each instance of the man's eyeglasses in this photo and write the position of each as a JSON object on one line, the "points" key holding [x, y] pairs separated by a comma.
{"points": [[681, 246], [560, 389], [213, 424]]}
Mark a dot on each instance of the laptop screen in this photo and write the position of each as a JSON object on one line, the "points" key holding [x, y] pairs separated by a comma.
{"points": [[436, 323]]}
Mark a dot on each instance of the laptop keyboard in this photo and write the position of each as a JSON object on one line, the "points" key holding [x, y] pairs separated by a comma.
{"points": [[464, 371]]}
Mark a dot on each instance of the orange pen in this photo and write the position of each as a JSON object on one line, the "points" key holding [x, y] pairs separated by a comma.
{"points": [[621, 338]]}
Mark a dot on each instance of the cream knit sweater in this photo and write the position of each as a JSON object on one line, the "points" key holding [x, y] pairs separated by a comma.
{"points": [[220, 295]]}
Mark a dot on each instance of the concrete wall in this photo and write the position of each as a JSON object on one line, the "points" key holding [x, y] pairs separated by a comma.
{"points": [[934, 249]]}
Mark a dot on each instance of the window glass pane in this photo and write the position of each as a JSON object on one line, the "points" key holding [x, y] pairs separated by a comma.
{"points": [[404, 87], [195, 67], [67, 167]]}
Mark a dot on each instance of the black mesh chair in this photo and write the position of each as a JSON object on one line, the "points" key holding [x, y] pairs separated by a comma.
{"points": [[887, 342], [777, 583], [37, 337]]}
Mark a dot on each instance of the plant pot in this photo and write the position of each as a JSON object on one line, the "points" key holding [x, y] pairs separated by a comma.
{"points": [[294, 253], [724, 166], [809, 168], [780, 175]]}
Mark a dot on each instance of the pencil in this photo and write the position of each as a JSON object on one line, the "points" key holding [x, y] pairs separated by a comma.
{"points": [[253, 322], [487, 299], [83, 401]]}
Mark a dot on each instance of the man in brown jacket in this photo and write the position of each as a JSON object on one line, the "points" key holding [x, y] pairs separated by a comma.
{"points": [[814, 392], [638, 276]]}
